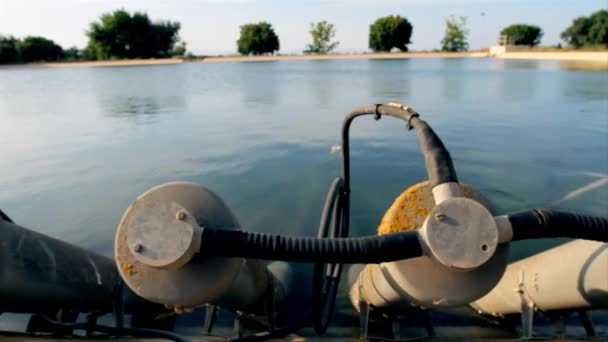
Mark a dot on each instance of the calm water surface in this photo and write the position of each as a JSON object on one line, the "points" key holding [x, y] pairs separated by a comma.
{"points": [[78, 145]]}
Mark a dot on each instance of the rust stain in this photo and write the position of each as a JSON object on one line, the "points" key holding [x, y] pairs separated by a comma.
{"points": [[411, 207], [408, 211], [128, 269]]}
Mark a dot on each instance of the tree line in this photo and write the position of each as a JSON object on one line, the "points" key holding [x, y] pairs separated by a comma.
{"points": [[116, 35], [122, 35]]}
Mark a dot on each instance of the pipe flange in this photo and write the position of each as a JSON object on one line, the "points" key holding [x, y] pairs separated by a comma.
{"points": [[460, 233], [163, 234], [157, 240]]}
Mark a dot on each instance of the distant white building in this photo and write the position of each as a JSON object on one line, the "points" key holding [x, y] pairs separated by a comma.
{"points": [[505, 44]]}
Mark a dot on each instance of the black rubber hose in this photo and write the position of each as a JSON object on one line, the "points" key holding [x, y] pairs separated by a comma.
{"points": [[5, 217], [360, 250], [546, 223], [326, 276], [438, 161], [439, 165]]}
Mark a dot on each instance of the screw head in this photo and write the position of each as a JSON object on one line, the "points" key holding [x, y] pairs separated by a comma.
{"points": [[180, 215], [137, 247], [440, 217]]}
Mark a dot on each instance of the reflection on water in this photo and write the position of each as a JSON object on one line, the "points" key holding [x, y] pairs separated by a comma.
{"points": [[585, 86], [584, 65], [521, 63], [322, 84], [134, 106], [581, 65], [517, 84], [388, 79], [258, 82], [451, 88]]}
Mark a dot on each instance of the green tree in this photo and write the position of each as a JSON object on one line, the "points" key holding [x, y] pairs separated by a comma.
{"points": [[257, 39], [390, 32], [523, 34], [37, 49], [9, 53], [180, 49], [72, 54], [456, 33], [322, 34], [588, 31], [122, 35]]}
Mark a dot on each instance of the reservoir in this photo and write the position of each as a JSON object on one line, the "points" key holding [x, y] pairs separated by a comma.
{"points": [[78, 145]]}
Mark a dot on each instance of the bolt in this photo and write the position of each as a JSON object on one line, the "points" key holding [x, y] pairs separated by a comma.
{"points": [[440, 217], [137, 247], [180, 215]]}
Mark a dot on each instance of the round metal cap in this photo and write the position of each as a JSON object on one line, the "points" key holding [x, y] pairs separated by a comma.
{"points": [[461, 233], [163, 234], [425, 281], [157, 242]]}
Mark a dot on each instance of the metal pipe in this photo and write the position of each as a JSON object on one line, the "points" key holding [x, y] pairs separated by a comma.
{"points": [[571, 276], [157, 252], [444, 276], [39, 273]]}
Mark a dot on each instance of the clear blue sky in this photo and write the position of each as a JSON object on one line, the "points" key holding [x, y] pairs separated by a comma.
{"points": [[212, 26]]}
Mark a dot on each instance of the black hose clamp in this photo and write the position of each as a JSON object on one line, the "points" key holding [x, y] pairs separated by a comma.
{"points": [[409, 121], [377, 114]]}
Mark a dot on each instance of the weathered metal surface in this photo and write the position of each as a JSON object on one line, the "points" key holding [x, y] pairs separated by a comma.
{"points": [[163, 234], [424, 281], [460, 233], [172, 214], [39, 273], [570, 276]]}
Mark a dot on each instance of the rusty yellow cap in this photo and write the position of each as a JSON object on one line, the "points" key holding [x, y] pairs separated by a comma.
{"points": [[411, 208]]}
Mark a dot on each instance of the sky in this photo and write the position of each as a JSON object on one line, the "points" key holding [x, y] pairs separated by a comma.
{"points": [[212, 26]]}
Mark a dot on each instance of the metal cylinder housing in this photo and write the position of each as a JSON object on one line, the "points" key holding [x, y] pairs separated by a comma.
{"points": [[567, 277], [40, 273], [156, 249], [432, 280]]}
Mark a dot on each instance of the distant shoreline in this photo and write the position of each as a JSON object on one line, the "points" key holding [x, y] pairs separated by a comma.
{"points": [[600, 57], [384, 55], [107, 63], [583, 56]]}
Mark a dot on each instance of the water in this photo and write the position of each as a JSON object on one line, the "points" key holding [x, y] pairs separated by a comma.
{"points": [[78, 145]]}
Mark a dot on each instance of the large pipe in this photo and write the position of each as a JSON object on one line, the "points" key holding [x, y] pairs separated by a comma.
{"points": [[424, 281], [42, 274], [157, 252], [571, 276]]}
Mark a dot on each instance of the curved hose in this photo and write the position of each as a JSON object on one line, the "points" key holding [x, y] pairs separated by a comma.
{"points": [[438, 161], [5, 217], [361, 250], [546, 223], [326, 276]]}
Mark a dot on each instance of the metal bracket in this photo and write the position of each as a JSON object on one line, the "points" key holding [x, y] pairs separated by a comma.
{"points": [[118, 305], [91, 323], [587, 323], [211, 312], [366, 311], [239, 326], [527, 310]]}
